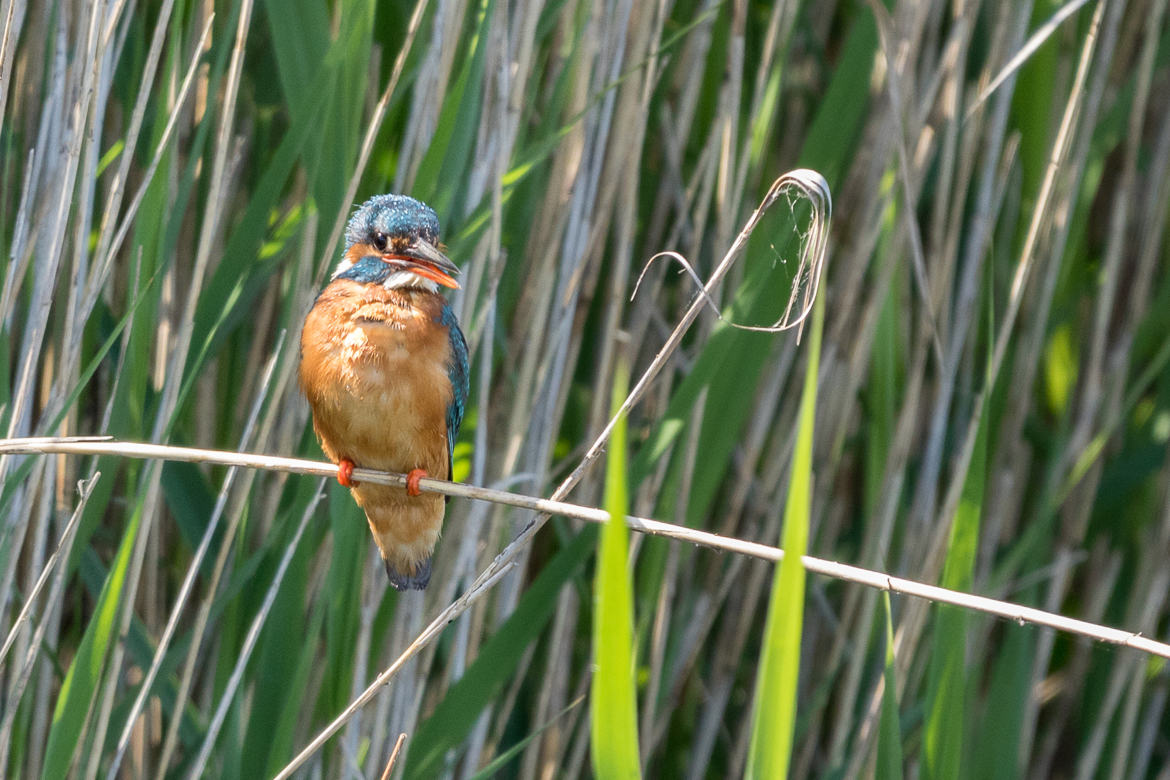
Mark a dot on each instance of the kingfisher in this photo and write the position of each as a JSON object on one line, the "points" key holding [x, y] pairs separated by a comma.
{"points": [[384, 368]]}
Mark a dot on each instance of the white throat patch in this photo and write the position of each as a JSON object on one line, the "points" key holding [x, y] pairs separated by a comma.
{"points": [[400, 279]]}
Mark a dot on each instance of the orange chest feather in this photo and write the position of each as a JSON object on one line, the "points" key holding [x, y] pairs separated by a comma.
{"points": [[374, 368]]}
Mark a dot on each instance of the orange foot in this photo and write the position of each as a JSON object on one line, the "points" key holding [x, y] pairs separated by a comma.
{"points": [[345, 473], [412, 488]]}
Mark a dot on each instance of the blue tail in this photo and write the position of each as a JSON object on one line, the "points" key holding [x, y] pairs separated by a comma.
{"points": [[415, 581]]}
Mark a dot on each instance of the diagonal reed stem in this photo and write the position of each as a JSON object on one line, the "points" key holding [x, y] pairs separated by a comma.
{"points": [[878, 580]]}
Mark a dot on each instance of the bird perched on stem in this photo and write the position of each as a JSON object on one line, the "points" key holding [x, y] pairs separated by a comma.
{"points": [[384, 367]]}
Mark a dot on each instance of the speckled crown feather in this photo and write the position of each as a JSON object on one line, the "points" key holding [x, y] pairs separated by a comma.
{"points": [[398, 216]]}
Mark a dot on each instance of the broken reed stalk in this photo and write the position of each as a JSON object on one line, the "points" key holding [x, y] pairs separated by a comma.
{"points": [[874, 579]]}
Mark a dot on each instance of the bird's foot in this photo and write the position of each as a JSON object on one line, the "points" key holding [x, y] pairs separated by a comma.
{"points": [[345, 473], [412, 488]]}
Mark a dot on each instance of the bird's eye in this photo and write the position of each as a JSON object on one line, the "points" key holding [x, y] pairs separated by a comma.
{"points": [[381, 241]]}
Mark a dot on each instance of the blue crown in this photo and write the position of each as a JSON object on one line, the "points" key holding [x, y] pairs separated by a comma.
{"points": [[398, 216]]}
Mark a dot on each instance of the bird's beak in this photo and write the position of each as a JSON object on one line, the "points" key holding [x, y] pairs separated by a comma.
{"points": [[429, 263]]}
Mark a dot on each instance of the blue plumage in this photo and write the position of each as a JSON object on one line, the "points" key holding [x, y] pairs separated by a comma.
{"points": [[384, 366], [369, 270], [400, 216], [457, 371]]}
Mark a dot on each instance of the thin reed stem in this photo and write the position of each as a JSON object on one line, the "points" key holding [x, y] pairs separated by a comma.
{"points": [[874, 579]]}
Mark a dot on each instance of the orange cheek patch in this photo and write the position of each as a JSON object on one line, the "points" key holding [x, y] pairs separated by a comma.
{"points": [[358, 251]]}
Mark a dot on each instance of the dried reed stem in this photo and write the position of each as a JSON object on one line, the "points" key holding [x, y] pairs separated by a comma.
{"points": [[874, 579]]}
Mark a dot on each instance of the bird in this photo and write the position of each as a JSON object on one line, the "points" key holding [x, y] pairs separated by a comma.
{"points": [[384, 367]]}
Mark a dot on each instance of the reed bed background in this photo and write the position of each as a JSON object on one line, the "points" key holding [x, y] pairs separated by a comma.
{"points": [[992, 398]]}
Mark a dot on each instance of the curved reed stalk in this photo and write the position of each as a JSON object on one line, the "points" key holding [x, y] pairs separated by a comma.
{"points": [[1018, 613]]}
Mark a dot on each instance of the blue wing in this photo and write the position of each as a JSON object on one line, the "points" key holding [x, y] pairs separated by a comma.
{"points": [[457, 372]]}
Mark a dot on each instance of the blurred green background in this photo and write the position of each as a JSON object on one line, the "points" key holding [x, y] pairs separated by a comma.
{"points": [[992, 409]]}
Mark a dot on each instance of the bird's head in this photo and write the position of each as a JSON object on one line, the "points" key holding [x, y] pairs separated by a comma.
{"points": [[393, 240]]}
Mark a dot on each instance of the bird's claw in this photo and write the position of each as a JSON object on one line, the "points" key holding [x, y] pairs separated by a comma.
{"points": [[412, 488], [345, 473]]}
